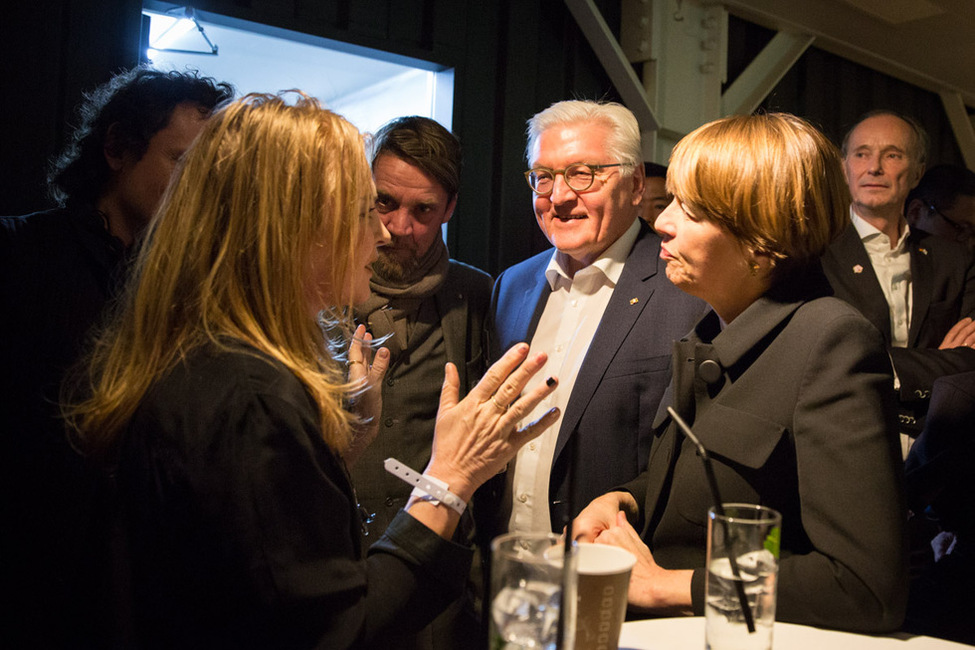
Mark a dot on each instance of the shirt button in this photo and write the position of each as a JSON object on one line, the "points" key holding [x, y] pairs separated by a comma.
{"points": [[390, 381], [389, 501], [531, 446], [388, 422], [523, 498]]}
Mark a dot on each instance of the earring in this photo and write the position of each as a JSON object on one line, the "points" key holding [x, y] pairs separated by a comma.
{"points": [[753, 267]]}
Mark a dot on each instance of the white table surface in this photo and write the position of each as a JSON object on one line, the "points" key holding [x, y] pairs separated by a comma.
{"points": [[687, 633]]}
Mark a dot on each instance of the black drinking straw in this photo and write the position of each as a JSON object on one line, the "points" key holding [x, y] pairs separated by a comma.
{"points": [[719, 510]]}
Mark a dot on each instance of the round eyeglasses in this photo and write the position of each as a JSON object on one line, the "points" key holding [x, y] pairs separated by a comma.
{"points": [[578, 176]]}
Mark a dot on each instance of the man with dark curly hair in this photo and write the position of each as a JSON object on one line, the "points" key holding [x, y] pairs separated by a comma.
{"points": [[58, 270]]}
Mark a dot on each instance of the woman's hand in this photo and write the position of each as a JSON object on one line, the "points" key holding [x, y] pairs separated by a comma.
{"points": [[368, 404], [476, 437], [601, 514], [652, 588]]}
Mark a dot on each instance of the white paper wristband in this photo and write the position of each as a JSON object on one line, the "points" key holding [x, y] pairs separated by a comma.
{"points": [[427, 488]]}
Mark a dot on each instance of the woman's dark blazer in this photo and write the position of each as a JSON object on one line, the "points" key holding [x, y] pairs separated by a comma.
{"points": [[242, 525], [793, 401]]}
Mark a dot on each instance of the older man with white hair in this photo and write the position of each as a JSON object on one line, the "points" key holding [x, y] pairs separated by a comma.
{"points": [[598, 303]]}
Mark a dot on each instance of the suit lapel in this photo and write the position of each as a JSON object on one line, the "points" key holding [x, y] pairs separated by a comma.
{"points": [[922, 283], [630, 297], [851, 274], [529, 309]]}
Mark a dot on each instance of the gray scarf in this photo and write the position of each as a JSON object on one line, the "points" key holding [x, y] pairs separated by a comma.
{"points": [[393, 305]]}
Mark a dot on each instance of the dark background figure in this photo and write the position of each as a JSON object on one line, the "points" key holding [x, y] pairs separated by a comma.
{"points": [[655, 196], [943, 203], [917, 289], [432, 309], [58, 270], [940, 485]]}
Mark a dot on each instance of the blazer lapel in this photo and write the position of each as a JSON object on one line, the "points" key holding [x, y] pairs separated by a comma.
{"points": [[851, 274], [630, 297], [922, 283], [537, 296], [658, 473]]}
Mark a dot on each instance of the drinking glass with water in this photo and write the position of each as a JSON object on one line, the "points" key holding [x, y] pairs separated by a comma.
{"points": [[743, 562], [526, 591]]}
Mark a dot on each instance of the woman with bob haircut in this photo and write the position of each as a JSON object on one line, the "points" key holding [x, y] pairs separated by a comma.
{"points": [[213, 397], [786, 387]]}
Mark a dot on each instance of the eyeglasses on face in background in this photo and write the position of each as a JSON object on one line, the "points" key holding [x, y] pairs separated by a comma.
{"points": [[578, 176]]}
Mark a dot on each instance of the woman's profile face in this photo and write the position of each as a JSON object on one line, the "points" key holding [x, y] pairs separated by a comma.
{"points": [[703, 258], [355, 285], [372, 235]]}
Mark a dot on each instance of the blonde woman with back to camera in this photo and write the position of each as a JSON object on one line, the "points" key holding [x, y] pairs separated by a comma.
{"points": [[786, 387], [220, 408]]}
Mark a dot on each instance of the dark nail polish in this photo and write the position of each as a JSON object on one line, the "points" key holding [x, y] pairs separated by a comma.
{"points": [[550, 382]]}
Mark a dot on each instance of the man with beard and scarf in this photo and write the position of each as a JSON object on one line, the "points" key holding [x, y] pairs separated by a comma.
{"points": [[428, 309]]}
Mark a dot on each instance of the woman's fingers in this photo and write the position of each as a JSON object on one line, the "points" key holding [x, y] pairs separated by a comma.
{"points": [[450, 391], [499, 371], [510, 390], [600, 514], [380, 364], [360, 352], [475, 437], [535, 429]]}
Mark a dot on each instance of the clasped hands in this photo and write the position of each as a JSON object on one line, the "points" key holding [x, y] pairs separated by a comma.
{"points": [[652, 588]]}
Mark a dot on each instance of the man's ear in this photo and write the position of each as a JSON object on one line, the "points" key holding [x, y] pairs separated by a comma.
{"points": [[915, 210], [639, 180], [111, 149], [449, 212]]}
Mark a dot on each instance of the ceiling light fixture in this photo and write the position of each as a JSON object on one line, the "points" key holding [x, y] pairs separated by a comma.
{"points": [[185, 22]]}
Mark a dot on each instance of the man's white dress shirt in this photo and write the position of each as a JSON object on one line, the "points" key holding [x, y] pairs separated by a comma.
{"points": [[565, 330]]}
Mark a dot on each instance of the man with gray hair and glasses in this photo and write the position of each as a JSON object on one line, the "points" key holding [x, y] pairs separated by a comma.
{"points": [[598, 303]]}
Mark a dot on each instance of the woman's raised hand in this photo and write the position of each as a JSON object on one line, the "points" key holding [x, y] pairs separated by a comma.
{"points": [[477, 436], [368, 404]]}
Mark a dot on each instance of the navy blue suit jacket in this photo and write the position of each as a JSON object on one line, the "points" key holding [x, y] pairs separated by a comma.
{"points": [[625, 372]]}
